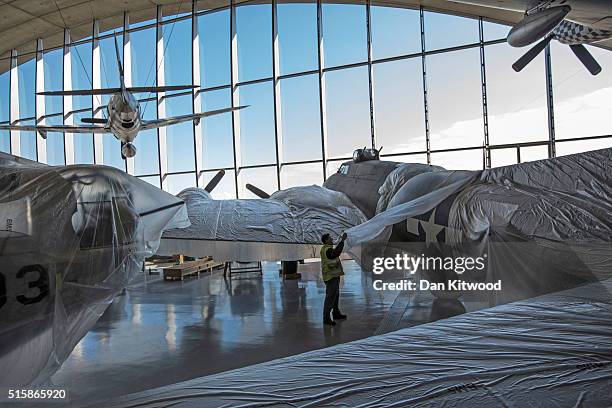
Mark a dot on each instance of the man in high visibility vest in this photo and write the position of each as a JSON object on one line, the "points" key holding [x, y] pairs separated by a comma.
{"points": [[331, 268]]}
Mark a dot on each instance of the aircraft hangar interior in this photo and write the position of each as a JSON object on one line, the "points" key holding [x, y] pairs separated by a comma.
{"points": [[306, 203]]}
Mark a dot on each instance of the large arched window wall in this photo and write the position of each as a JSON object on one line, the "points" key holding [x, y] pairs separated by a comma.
{"points": [[320, 79]]}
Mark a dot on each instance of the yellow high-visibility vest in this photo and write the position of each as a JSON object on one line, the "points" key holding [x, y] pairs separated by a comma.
{"points": [[330, 268]]}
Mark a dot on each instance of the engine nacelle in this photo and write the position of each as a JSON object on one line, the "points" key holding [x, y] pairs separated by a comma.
{"points": [[537, 25]]}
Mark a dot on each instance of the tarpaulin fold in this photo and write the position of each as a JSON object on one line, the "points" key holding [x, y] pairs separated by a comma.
{"points": [[550, 351]]}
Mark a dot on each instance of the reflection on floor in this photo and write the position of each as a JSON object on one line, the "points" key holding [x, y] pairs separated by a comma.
{"points": [[159, 332]]}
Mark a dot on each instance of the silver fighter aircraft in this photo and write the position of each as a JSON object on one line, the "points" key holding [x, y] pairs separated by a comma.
{"points": [[571, 22], [124, 119]]}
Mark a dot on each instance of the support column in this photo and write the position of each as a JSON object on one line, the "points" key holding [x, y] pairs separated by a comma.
{"points": [[161, 101], [552, 152], [198, 137], [96, 73], [278, 131], [370, 73], [68, 120], [322, 110], [235, 93], [127, 73], [14, 105], [425, 103], [41, 143], [485, 109]]}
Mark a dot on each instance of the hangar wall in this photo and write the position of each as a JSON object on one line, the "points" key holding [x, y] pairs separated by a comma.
{"points": [[321, 79]]}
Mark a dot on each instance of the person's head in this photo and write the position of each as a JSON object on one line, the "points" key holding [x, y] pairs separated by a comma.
{"points": [[326, 239]]}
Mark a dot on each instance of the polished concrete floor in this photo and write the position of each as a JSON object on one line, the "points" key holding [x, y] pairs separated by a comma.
{"points": [[159, 332]]}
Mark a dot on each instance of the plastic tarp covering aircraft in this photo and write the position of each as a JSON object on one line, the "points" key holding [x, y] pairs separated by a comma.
{"points": [[548, 222], [72, 237], [549, 351], [544, 225], [288, 224]]}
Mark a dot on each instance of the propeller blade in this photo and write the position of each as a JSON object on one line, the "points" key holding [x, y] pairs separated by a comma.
{"points": [[94, 120], [258, 192], [215, 180], [531, 54], [586, 58]]}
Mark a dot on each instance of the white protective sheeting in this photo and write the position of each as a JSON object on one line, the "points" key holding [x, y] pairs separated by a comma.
{"points": [[570, 197], [550, 351], [545, 226], [71, 237], [287, 226], [397, 178]]}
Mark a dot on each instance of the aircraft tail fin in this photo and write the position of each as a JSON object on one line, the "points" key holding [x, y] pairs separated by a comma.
{"points": [[119, 65]]}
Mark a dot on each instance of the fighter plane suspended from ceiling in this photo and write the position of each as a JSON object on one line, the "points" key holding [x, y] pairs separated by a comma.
{"points": [[571, 22], [124, 116]]}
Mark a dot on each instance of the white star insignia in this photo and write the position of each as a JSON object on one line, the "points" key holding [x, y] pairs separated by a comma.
{"points": [[430, 227]]}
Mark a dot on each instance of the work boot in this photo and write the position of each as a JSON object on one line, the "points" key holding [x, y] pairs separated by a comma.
{"points": [[329, 322], [339, 316]]}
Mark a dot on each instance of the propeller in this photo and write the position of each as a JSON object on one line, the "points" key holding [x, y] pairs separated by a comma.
{"points": [[560, 34], [128, 150], [257, 191], [586, 58], [531, 54], [214, 181]]}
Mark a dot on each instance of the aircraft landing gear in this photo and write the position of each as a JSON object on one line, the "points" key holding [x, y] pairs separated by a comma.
{"points": [[289, 270]]}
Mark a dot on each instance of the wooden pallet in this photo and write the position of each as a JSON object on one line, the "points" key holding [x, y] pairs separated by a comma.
{"points": [[190, 268]]}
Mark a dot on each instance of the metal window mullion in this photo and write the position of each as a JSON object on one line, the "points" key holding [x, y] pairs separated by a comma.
{"points": [[161, 103], [96, 79], [41, 143], [127, 73], [370, 74], [322, 111], [425, 102], [15, 135], [235, 97], [196, 97], [550, 103], [277, 96], [69, 154], [483, 82], [93, 106]]}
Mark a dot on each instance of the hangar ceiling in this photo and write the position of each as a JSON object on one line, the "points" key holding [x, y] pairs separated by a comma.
{"points": [[23, 21]]}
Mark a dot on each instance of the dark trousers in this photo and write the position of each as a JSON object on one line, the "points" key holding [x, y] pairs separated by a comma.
{"points": [[332, 295]]}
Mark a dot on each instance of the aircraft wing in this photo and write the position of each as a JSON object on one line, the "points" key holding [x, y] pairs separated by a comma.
{"points": [[44, 129], [511, 11], [154, 124], [287, 226]]}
